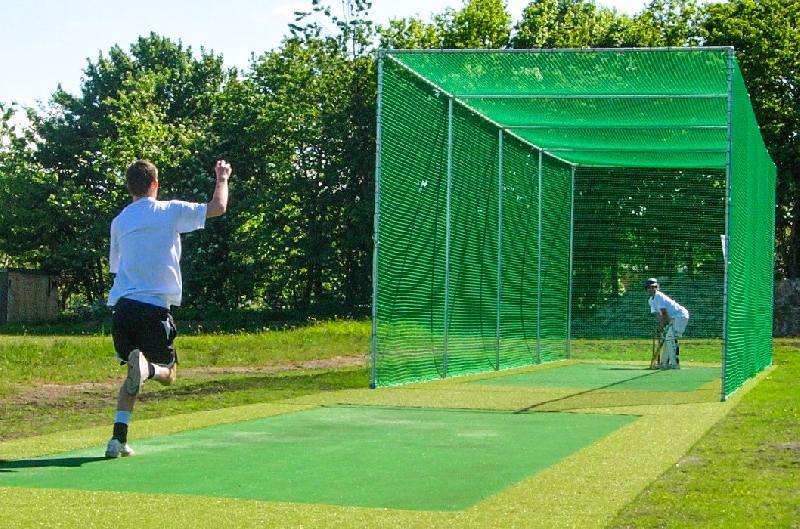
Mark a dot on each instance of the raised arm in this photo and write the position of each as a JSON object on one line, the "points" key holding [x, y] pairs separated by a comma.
{"points": [[219, 201]]}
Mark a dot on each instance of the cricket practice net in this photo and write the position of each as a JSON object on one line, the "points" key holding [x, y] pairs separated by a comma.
{"points": [[523, 196]]}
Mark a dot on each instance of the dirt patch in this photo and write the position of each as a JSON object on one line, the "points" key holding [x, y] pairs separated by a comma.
{"points": [[690, 461], [337, 362], [50, 394], [793, 446]]}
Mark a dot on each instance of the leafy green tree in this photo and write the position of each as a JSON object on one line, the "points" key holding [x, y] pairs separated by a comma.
{"points": [[766, 35], [25, 194], [479, 24], [581, 24], [667, 23], [301, 125], [410, 33], [568, 24]]}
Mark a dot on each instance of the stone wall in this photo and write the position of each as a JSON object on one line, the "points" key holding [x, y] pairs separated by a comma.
{"points": [[786, 320]]}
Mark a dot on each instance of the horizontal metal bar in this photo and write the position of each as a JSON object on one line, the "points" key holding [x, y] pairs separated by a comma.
{"points": [[627, 126], [584, 166], [630, 150], [568, 50], [591, 96]]}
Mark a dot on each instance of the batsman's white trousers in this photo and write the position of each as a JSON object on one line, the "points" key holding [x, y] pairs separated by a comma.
{"points": [[677, 326], [674, 330]]}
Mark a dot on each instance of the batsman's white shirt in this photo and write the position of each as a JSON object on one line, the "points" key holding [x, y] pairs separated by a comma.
{"points": [[146, 249], [662, 301]]}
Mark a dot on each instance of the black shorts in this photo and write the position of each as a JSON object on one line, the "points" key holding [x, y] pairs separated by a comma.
{"points": [[149, 328]]}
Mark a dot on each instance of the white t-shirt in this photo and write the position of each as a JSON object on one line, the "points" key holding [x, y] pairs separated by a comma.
{"points": [[662, 301], [146, 249]]}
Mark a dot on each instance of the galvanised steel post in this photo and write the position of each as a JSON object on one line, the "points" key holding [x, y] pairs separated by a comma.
{"points": [[447, 228], [376, 221], [499, 243]]}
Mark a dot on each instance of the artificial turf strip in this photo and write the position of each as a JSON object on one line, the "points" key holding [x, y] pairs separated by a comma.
{"points": [[611, 376], [369, 457]]}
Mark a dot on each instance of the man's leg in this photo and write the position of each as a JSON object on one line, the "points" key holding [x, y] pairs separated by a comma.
{"points": [[138, 372], [668, 359], [679, 326]]}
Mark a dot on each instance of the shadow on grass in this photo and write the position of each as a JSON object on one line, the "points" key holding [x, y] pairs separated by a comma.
{"points": [[66, 462]]}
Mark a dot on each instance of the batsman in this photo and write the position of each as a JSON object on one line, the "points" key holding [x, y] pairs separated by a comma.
{"points": [[672, 321]]}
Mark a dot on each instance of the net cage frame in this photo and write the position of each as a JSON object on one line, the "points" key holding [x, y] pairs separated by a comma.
{"points": [[460, 101]]}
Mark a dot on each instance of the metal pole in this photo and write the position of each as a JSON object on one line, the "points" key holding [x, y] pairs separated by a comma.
{"points": [[539, 271], [727, 258], [591, 96], [571, 255], [447, 228], [704, 49], [375, 238], [602, 126], [499, 243]]}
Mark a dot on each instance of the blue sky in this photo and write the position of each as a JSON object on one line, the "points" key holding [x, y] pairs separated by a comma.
{"points": [[45, 43]]}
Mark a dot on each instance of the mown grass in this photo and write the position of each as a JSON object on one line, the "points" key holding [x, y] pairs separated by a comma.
{"points": [[745, 473], [95, 407], [51, 383], [61, 359]]}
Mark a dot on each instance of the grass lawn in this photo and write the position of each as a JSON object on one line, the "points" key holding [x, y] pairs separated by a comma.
{"points": [[742, 473], [52, 383]]}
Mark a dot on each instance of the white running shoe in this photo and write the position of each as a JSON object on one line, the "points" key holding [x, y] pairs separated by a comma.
{"points": [[137, 372], [115, 449]]}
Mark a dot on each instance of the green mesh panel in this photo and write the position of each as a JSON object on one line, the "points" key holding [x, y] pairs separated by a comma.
{"points": [[519, 272], [632, 224], [605, 113], [645, 133], [751, 246], [565, 73], [410, 300], [554, 267], [472, 314]]}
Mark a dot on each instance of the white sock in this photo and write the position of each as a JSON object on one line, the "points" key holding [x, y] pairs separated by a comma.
{"points": [[160, 371]]}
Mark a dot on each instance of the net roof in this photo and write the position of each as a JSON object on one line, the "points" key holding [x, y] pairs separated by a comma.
{"points": [[631, 107]]}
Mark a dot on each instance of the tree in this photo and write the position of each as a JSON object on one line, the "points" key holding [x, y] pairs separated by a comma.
{"points": [[581, 24], [409, 33], [568, 24], [479, 24], [25, 194]]}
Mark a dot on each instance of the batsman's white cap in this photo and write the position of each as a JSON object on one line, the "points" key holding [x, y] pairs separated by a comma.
{"points": [[650, 283]]}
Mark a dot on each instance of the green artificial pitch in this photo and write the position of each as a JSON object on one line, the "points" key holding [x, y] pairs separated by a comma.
{"points": [[608, 376], [416, 459]]}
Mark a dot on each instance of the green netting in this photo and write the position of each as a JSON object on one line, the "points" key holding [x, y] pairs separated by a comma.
{"points": [[564, 73], [751, 245], [524, 196], [520, 242], [554, 264], [632, 224]]}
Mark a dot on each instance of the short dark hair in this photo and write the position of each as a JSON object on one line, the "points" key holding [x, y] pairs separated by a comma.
{"points": [[140, 176]]}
